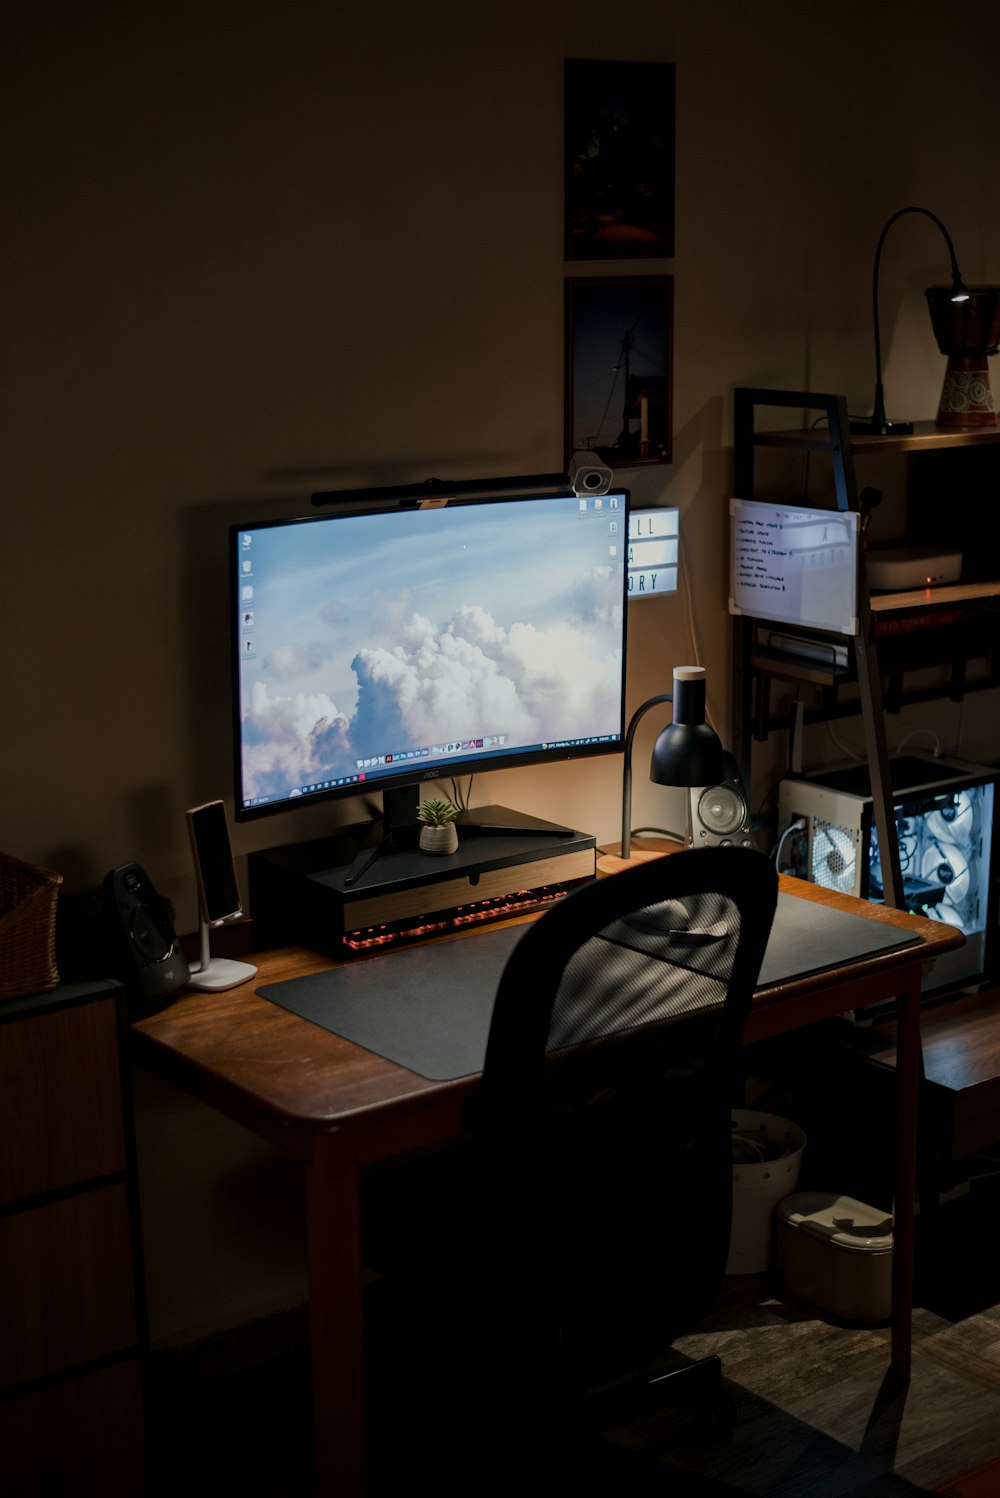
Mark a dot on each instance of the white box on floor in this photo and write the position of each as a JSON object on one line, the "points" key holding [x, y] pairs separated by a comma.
{"points": [[836, 1253]]}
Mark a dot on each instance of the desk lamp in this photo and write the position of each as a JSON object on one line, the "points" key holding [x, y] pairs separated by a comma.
{"points": [[878, 423], [688, 752]]}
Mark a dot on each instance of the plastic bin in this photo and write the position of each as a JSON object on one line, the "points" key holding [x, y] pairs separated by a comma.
{"points": [[767, 1156], [836, 1253]]}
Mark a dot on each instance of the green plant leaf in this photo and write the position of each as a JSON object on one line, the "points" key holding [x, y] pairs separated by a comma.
{"points": [[436, 811]]}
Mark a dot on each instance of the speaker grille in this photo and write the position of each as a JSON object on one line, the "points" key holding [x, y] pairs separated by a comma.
{"points": [[150, 941], [721, 810]]}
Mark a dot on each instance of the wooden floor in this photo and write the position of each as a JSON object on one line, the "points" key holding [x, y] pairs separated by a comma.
{"points": [[817, 1414]]}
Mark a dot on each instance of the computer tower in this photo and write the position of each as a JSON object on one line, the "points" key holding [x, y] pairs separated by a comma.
{"points": [[943, 811]]}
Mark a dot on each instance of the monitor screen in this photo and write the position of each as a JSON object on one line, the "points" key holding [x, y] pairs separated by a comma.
{"points": [[399, 644]]}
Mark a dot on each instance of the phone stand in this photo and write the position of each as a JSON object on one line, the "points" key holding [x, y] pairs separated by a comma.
{"points": [[215, 973]]}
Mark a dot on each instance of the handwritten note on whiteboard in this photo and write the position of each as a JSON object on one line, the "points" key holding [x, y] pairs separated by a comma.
{"points": [[793, 565]]}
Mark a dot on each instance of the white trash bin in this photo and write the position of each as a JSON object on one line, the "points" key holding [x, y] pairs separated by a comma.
{"points": [[767, 1155]]}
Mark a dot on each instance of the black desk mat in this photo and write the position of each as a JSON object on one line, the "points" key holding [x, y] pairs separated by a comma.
{"points": [[428, 1008]]}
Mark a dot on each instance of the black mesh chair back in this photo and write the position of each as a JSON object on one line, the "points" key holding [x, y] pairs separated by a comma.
{"points": [[606, 1099]]}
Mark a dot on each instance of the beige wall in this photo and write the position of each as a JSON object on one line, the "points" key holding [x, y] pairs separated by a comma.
{"points": [[255, 249]]}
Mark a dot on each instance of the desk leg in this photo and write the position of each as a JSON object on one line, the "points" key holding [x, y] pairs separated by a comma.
{"points": [[336, 1325], [907, 1093]]}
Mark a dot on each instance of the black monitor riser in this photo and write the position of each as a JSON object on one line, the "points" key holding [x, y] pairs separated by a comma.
{"points": [[401, 829]]}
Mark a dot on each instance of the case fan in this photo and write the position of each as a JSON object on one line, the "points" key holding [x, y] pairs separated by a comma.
{"points": [[833, 858], [948, 864]]}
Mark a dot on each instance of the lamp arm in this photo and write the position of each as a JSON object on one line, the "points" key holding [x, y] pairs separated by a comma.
{"points": [[879, 413], [627, 768]]}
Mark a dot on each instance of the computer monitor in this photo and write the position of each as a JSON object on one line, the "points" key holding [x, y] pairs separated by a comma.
{"points": [[383, 647]]}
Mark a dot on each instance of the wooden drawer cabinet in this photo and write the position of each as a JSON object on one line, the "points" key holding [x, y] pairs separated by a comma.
{"points": [[71, 1261], [76, 1438], [60, 1094], [71, 1312]]}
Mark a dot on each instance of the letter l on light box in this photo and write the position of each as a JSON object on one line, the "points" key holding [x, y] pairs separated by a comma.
{"points": [[653, 539]]}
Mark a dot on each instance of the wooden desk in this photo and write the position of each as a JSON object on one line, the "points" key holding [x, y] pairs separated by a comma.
{"points": [[337, 1108]]}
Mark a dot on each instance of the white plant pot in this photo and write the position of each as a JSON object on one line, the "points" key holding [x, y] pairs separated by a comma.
{"points": [[439, 839]]}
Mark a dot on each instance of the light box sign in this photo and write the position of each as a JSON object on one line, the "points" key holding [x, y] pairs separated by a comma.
{"points": [[653, 539]]}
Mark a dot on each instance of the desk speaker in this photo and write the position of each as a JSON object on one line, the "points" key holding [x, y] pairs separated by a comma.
{"points": [[143, 948], [720, 814]]}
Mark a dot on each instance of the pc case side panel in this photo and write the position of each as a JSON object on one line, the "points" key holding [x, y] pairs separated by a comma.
{"points": [[834, 822], [948, 855]]}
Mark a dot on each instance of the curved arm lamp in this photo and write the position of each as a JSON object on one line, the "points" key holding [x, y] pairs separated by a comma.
{"points": [[687, 752], [878, 423]]}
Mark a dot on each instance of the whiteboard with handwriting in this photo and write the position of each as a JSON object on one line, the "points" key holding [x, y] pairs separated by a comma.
{"points": [[794, 565]]}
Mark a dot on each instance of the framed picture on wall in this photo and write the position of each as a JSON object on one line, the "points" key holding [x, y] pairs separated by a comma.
{"points": [[619, 346], [619, 159]]}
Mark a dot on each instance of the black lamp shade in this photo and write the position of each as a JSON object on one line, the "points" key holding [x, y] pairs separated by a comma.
{"points": [[688, 751], [687, 754]]}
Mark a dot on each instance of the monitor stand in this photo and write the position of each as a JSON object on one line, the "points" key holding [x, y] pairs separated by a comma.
{"points": [[401, 830], [368, 886]]}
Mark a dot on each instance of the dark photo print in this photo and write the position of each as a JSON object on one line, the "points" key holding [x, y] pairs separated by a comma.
{"points": [[619, 159], [618, 378]]}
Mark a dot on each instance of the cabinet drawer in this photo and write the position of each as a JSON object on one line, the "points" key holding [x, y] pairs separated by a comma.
{"points": [[60, 1099], [68, 1294], [80, 1439]]}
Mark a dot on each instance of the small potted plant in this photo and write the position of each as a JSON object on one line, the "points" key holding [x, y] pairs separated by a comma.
{"points": [[438, 833]]}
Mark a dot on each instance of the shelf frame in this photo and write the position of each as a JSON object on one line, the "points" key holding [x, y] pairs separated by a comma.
{"points": [[837, 442]]}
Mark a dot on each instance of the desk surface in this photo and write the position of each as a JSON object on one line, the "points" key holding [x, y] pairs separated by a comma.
{"points": [[287, 1079]]}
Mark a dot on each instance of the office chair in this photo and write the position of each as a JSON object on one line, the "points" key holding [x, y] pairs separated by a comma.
{"points": [[554, 1260]]}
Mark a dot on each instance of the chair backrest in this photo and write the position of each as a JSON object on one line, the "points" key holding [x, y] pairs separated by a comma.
{"points": [[607, 1090]]}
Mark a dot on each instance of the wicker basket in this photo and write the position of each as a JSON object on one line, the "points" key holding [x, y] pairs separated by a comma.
{"points": [[27, 928]]}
